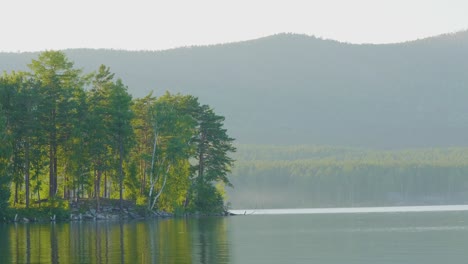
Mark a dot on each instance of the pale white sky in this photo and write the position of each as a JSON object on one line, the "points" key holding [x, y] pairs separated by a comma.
{"points": [[31, 25]]}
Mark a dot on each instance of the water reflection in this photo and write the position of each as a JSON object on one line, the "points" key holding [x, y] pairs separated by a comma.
{"points": [[53, 244], [404, 238], [212, 239], [203, 240]]}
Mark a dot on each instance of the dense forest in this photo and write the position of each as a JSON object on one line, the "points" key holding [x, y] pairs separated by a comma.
{"points": [[298, 89], [320, 176], [69, 135]]}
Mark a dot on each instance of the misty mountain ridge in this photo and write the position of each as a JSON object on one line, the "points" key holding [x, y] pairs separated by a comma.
{"points": [[297, 89]]}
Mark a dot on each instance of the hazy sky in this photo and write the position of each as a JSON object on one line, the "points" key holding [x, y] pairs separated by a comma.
{"points": [[27, 25]]}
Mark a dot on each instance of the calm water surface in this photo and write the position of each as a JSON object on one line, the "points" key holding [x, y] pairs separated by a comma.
{"points": [[365, 238]]}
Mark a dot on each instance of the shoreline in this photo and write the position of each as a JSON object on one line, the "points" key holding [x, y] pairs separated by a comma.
{"points": [[85, 210]]}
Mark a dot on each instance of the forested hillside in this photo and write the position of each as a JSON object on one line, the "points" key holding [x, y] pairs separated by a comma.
{"points": [[313, 176], [296, 89]]}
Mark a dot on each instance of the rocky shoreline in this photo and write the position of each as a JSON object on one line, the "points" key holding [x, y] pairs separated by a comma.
{"points": [[109, 210]]}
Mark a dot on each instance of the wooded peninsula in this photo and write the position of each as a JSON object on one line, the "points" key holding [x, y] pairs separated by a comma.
{"points": [[68, 136]]}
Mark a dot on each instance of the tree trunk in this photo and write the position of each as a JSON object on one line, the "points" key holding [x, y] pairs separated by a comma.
{"points": [[26, 176], [16, 194], [201, 169], [105, 185], [201, 157], [53, 157], [55, 171], [97, 186], [162, 188], [143, 168], [121, 173], [152, 180], [66, 192], [187, 196], [51, 170]]}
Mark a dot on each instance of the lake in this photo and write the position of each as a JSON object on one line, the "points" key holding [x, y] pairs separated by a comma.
{"points": [[379, 237]]}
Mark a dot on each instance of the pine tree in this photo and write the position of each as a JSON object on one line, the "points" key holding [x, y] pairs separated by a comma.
{"points": [[5, 147], [58, 79], [120, 129], [213, 146], [99, 125]]}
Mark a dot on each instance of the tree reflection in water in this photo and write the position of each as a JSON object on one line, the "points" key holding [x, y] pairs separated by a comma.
{"points": [[191, 240]]}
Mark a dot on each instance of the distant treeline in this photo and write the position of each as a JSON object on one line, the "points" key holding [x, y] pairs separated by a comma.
{"points": [[308, 176], [65, 134]]}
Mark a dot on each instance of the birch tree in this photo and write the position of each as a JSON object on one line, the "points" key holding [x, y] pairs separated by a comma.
{"points": [[173, 130]]}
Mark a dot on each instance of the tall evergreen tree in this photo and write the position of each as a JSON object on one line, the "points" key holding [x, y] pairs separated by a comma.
{"points": [[213, 146], [120, 128], [75, 158], [5, 147], [20, 99], [99, 125], [25, 127], [13, 121], [5, 152], [58, 78]]}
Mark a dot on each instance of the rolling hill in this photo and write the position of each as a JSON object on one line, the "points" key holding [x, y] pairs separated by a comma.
{"points": [[297, 89]]}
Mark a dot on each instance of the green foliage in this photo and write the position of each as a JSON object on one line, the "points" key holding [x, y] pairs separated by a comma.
{"points": [[213, 147], [43, 213], [173, 129], [5, 149], [142, 151], [4, 193], [109, 127], [96, 143], [58, 84], [209, 200]]}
